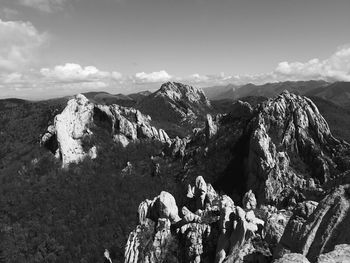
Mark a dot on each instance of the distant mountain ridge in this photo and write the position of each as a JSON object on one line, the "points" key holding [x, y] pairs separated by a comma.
{"points": [[265, 90], [338, 93]]}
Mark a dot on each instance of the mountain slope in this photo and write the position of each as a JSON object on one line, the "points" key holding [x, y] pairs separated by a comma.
{"points": [[221, 92], [109, 99], [270, 89], [338, 93], [139, 95]]}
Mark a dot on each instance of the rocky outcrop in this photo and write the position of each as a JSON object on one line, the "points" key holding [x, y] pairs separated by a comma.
{"points": [[210, 127], [74, 126], [69, 129], [326, 227], [292, 258], [177, 106], [341, 254], [290, 148], [210, 228]]}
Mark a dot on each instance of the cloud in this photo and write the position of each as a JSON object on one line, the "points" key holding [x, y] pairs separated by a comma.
{"points": [[19, 43], [335, 68], [214, 79], [75, 73], [9, 13], [47, 6], [154, 77]]}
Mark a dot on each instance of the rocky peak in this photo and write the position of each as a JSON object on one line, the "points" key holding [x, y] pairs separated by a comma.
{"points": [[181, 92], [290, 145], [66, 136], [209, 228], [177, 106]]}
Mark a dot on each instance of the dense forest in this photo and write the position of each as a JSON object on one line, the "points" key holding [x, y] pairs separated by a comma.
{"points": [[50, 214]]}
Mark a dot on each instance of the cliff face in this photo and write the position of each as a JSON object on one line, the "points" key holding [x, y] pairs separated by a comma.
{"points": [[65, 138]]}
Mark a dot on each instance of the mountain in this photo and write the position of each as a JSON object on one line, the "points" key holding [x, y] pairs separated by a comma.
{"points": [[267, 181], [108, 99], [284, 152], [267, 90], [221, 92], [337, 117], [338, 93], [140, 95], [70, 136], [176, 108]]}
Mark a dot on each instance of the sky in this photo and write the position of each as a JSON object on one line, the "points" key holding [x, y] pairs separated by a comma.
{"points": [[51, 48]]}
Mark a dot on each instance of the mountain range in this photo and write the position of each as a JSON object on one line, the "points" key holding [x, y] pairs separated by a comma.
{"points": [[337, 92], [262, 177]]}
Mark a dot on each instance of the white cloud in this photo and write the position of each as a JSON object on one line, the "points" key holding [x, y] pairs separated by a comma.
{"points": [[19, 43], [154, 77], [335, 68], [73, 78], [47, 6], [75, 73], [214, 79]]}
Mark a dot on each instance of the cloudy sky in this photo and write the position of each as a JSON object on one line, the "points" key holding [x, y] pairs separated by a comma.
{"points": [[53, 48]]}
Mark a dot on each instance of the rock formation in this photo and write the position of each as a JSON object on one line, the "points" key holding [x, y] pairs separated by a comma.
{"points": [[319, 231], [69, 129], [341, 253], [284, 151], [290, 143], [177, 105], [66, 137], [213, 223]]}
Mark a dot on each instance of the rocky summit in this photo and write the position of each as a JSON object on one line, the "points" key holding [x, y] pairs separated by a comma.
{"points": [[72, 128], [278, 191], [178, 108]]}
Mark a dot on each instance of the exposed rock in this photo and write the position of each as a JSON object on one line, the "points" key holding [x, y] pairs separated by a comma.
{"points": [[197, 234], [290, 142], [276, 222], [249, 200], [183, 106], [177, 146], [305, 209], [292, 258], [340, 254], [210, 127], [326, 227], [69, 129], [65, 138]]}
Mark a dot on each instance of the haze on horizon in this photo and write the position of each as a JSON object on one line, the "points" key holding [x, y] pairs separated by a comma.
{"points": [[51, 48]]}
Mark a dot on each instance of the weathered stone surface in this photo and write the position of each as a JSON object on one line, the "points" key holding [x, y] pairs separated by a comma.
{"points": [[326, 227], [340, 254], [276, 222], [289, 143], [292, 258], [184, 106], [176, 147], [210, 127], [198, 236], [71, 126], [65, 137]]}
